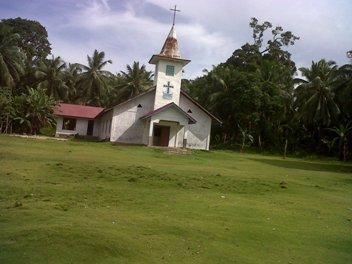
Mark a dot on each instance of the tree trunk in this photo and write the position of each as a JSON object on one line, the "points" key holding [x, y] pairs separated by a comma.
{"points": [[260, 142], [7, 124], [344, 151], [224, 137], [285, 148]]}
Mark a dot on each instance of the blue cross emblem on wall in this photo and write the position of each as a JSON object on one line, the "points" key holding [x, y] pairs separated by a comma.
{"points": [[168, 93]]}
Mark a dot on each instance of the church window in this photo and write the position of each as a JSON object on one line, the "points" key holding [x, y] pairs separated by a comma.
{"points": [[69, 124], [189, 111], [139, 106], [170, 70]]}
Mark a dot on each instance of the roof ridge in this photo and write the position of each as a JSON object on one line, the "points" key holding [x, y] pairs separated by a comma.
{"points": [[200, 106]]}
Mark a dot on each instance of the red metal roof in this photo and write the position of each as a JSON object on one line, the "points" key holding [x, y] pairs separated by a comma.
{"points": [[79, 111]]}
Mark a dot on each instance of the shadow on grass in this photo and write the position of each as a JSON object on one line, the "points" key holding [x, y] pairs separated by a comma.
{"points": [[305, 165]]}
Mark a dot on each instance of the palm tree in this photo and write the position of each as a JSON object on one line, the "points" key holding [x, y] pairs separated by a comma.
{"points": [[11, 57], [222, 97], [135, 80], [113, 96], [51, 78], [93, 80], [314, 97], [342, 133], [71, 78], [246, 138], [343, 89], [7, 110]]}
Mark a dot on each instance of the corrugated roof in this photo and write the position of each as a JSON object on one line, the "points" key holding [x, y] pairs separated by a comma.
{"points": [[78, 111]]}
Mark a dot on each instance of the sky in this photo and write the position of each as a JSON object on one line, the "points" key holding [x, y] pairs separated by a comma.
{"points": [[208, 30]]}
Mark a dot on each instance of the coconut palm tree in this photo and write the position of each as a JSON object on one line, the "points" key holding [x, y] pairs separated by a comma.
{"points": [[135, 80], [71, 78], [51, 77], [314, 97], [11, 57], [7, 110], [343, 89], [93, 80], [342, 133]]}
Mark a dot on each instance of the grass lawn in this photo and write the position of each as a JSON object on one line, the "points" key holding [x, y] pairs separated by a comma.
{"points": [[86, 202]]}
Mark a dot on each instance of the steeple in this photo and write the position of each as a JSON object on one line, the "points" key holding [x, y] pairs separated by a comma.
{"points": [[168, 70], [170, 48]]}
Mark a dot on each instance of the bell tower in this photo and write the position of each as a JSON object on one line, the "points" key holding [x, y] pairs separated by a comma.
{"points": [[168, 70]]}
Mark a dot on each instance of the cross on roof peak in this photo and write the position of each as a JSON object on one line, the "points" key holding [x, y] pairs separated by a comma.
{"points": [[174, 10]]}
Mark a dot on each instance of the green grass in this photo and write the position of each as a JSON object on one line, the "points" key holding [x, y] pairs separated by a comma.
{"points": [[87, 202]]}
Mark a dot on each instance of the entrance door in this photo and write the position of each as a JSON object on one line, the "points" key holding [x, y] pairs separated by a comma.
{"points": [[90, 127], [165, 134], [161, 136]]}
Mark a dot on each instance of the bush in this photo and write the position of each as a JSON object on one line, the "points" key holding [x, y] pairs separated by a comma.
{"points": [[48, 131]]}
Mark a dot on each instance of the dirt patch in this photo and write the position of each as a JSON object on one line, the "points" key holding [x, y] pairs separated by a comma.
{"points": [[36, 137]]}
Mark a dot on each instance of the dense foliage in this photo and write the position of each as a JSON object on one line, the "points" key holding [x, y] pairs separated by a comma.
{"points": [[261, 103], [256, 92]]}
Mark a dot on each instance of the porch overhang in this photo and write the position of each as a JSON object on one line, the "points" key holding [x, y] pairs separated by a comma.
{"points": [[172, 105]]}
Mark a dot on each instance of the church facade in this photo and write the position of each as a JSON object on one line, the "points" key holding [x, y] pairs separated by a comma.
{"points": [[164, 115]]}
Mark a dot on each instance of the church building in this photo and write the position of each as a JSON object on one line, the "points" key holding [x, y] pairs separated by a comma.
{"points": [[164, 115]]}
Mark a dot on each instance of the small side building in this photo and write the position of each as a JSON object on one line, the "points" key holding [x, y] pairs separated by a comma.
{"points": [[72, 119]]}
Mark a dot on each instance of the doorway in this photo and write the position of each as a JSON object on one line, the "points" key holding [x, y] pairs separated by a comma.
{"points": [[90, 127], [161, 136]]}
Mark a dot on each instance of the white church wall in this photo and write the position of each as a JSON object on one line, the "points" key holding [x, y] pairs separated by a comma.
{"points": [[105, 124], [180, 137], [145, 139], [162, 79], [126, 124], [198, 134]]}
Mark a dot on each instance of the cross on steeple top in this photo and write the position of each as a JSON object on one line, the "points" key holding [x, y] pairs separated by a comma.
{"points": [[174, 10]]}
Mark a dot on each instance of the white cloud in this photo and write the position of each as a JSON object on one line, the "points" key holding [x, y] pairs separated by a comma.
{"points": [[324, 26], [128, 37], [209, 31]]}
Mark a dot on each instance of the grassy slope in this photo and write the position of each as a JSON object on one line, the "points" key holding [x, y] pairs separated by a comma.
{"points": [[98, 203]]}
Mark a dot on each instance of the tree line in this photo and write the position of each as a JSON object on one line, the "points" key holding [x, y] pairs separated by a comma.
{"points": [[266, 103], [263, 100]]}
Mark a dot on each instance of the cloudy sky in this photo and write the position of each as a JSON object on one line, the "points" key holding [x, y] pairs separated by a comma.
{"points": [[208, 31]]}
